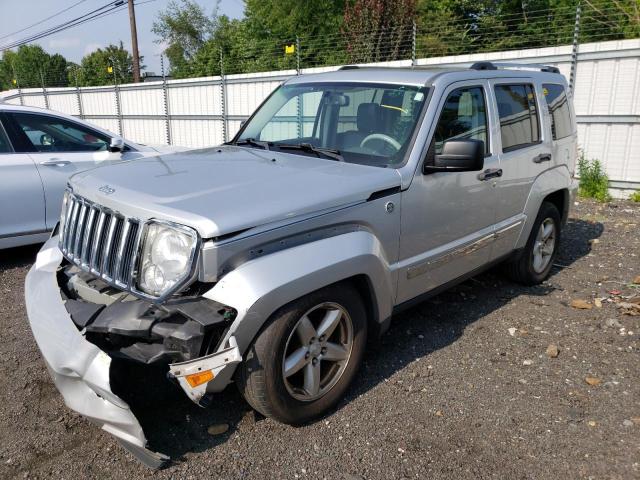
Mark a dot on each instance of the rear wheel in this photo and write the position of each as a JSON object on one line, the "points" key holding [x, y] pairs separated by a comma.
{"points": [[534, 264], [303, 361]]}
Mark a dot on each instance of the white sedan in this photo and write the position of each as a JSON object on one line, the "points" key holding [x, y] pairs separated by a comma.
{"points": [[39, 151]]}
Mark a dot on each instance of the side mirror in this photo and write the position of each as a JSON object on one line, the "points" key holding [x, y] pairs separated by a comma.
{"points": [[116, 145], [458, 156]]}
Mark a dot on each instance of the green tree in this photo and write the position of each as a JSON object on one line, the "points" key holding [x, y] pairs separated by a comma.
{"points": [[379, 30], [95, 67], [230, 38], [30, 65], [273, 24], [184, 27], [7, 73], [609, 20], [342, 31], [255, 43], [444, 27], [56, 71]]}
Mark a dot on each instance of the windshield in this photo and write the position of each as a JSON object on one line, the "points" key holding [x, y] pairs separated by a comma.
{"points": [[365, 123]]}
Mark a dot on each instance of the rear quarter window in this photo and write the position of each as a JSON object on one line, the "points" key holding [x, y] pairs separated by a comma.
{"points": [[519, 122], [559, 111]]}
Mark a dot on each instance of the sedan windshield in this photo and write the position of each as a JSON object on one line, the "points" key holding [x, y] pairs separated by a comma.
{"points": [[365, 123]]}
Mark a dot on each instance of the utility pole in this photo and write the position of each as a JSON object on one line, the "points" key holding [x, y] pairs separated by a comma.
{"points": [[134, 42], [574, 52]]}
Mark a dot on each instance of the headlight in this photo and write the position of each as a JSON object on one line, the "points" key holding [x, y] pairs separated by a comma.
{"points": [[168, 253]]}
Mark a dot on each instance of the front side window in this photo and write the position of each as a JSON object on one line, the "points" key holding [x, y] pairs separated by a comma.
{"points": [[463, 117], [51, 134], [371, 124], [519, 123], [559, 110]]}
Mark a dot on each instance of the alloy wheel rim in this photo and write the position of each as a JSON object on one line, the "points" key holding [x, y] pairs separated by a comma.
{"points": [[317, 351], [544, 245]]}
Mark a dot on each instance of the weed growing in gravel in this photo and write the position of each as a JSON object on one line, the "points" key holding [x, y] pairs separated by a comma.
{"points": [[635, 196], [594, 182]]}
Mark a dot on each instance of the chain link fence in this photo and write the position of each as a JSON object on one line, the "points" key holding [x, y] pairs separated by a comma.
{"points": [[208, 110]]}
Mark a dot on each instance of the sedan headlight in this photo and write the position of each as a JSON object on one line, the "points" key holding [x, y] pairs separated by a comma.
{"points": [[168, 253]]}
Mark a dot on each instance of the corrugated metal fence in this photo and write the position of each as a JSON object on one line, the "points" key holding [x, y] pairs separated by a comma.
{"points": [[207, 111]]}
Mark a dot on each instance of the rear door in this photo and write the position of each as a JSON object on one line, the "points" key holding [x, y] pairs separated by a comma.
{"points": [[59, 148], [561, 124], [524, 151], [21, 193]]}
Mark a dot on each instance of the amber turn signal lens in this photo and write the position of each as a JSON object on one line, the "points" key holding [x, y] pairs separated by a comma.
{"points": [[199, 378]]}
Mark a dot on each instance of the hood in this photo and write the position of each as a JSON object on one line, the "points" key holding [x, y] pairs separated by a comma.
{"points": [[167, 149], [222, 190]]}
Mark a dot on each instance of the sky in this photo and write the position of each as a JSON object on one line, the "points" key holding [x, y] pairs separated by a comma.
{"points": [[76, 42]]}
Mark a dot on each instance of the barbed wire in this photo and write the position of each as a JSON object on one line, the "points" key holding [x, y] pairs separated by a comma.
{"points": [[448, 36]]}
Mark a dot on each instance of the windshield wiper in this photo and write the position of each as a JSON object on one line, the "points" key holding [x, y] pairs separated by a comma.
{"points": [[307, 147], [254, 143]]}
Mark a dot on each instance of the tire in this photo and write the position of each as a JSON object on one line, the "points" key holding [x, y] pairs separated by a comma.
{"points": [[526, 267], [261, 378]]}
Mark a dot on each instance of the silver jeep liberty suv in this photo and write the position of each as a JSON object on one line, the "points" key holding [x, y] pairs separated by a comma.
{"points": [[269, 260]]}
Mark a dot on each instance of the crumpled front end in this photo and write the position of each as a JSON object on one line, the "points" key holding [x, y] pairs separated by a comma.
{"points": [[82, 370]]}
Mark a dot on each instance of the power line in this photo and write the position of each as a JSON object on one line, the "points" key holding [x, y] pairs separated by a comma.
{"points": [[43, 20], [109, 7]]}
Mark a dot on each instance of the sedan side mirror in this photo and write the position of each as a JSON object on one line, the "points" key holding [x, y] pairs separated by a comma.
{"points": [[116, 145], [458, 156]]}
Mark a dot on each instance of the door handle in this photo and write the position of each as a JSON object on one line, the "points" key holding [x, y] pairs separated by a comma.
{"points": [[490, 173], [543, 157], [55, 162]]}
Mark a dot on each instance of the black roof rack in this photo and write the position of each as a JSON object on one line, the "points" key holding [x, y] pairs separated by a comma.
{"points": [[507, 65]]}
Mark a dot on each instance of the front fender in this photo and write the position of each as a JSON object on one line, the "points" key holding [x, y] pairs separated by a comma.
{"points": [[259, 287]]}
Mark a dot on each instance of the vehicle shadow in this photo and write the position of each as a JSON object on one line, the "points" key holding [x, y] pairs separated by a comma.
{"points": [[175, 426], [18, 257]]}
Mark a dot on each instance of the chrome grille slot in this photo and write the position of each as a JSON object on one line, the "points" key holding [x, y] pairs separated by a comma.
{"points": [[101, 241], [129, 248], [112, 253]]}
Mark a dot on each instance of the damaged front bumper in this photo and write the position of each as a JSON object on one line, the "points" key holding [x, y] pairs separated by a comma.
{"points": [[81, 371]]}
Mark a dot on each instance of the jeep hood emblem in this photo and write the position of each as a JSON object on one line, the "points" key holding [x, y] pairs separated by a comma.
{"points": [[106, 189]]}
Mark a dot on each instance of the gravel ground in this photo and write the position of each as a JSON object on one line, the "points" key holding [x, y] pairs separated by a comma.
{"points": [[463, 386]]}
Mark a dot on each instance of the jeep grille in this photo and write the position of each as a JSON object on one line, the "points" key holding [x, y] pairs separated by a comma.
{"points": [[101, 241]]}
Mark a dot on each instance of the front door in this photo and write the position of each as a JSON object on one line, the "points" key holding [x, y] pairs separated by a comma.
{"points": [[21, 193], [59, 148], [448, 217]]}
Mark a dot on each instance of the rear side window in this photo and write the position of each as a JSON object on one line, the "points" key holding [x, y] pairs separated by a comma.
{"points": [[559, 110], [519, 122]]}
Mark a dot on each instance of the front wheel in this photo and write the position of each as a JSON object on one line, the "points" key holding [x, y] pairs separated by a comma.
{"points": [[305, 358], [534, 264]]}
